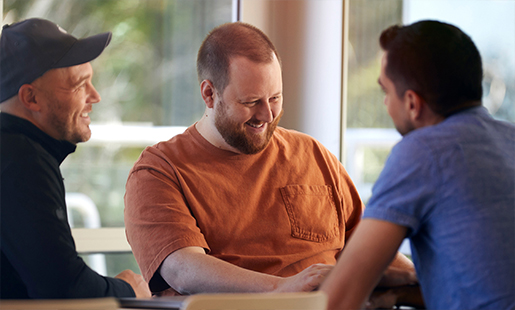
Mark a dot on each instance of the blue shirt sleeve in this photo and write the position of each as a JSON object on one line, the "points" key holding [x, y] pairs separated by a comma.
{"points": [[405, 190]]}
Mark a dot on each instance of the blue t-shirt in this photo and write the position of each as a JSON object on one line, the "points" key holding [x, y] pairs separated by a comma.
{"points": [[453, 186]]}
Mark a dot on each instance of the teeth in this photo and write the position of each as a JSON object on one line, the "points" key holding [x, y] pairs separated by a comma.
{"points": [[84, 115], [256, 125]]}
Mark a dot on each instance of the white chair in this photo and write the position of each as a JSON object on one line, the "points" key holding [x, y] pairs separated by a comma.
{"points": [[256, 301]]}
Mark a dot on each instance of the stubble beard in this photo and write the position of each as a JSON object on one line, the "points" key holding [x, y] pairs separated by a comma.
{"points": [[68, 128], [406, 128], [236, 136]]}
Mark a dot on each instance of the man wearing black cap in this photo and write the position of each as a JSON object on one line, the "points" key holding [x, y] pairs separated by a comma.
{"points": [[46, 96]]}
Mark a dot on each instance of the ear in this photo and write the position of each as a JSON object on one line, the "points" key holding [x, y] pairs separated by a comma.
{"points": [[414, 104], [27, 96], [207, 90]]}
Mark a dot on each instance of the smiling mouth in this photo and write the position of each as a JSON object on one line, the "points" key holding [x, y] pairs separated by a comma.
{"points": [[255, 125]]}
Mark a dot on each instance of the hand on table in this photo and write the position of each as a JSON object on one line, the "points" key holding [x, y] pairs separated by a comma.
{"points": [[137, 283], [387, 298], [305, 281], [398, 286], [394, 276]]}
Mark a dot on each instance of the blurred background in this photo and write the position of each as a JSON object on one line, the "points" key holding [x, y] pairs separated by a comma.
{"points": [[147, 80]]}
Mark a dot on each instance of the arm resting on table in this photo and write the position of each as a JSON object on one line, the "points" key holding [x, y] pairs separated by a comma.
{"points": [[190, 270], [371, 249]]}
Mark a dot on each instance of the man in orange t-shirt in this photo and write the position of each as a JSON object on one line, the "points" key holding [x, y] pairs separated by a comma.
{"points": [[235, 203]]}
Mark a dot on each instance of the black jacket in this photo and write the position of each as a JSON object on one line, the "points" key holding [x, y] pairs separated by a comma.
{"points": [[38, 255]]}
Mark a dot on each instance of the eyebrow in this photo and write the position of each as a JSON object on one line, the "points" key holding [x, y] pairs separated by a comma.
{"points": [[255, 98]]}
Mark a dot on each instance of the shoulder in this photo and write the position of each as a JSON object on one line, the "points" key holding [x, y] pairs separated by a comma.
{"points": [[428, 140], [20, 148], [295, 143], [297, 139], [168, 149], [165, 155], [291, 134], [28, 168], [305, 149]]}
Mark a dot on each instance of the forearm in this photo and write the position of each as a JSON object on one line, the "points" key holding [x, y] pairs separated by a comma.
{"points": [[363, 260], [351, 281], [190, 271]]}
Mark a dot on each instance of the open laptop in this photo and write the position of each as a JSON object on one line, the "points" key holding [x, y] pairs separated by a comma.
{"points": [[169, 302]]}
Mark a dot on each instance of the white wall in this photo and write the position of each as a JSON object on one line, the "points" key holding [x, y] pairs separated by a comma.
{"points": [[308, 36]]}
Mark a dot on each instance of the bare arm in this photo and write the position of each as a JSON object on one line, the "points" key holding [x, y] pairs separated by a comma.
{"points": [[189, 270], [367, 255]]}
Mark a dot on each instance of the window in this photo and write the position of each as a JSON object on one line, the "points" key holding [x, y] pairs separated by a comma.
{"points": [[370, 133]]}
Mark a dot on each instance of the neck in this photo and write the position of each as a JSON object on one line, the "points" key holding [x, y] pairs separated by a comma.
{"points": [[207, 129], [427, 117], [14, 107], [465, 105]]}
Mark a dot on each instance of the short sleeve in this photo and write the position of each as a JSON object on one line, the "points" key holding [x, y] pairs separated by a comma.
{"points": [[405, 190], [158, 220]]}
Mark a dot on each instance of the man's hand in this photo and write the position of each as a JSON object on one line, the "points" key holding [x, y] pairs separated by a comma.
{"points": [[398, 286], [305, 281], [395, 276], [137, 283], [409, 295], [382, 299]]}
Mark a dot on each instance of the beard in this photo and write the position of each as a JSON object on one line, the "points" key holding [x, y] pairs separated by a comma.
{"points": [[236, 136], [405, 128], [66, 123]]}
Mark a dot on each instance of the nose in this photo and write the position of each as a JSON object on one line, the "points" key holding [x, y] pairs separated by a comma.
{"points": [[264, 113], [93, 96]]}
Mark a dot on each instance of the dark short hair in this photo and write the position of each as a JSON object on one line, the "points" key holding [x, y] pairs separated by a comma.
{"points": [[227, 41], [437, 61]]}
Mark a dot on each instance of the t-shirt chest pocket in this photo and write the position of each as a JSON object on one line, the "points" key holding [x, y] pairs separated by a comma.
{"points": [[312, 212]]}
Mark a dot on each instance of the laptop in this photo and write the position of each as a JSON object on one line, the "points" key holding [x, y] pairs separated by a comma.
{"points": [[168, 302]]}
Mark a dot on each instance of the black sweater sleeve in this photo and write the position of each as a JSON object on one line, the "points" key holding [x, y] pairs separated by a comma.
{"points": [[39, 259]]}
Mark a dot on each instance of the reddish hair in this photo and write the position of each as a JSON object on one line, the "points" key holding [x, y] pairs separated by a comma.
{"points": [[227, 41]]}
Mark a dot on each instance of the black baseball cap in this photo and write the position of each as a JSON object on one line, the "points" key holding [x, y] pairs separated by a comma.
{"points": [[32, 47]]}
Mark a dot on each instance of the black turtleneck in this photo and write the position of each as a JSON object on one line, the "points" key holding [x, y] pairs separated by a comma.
{"points": [[38, 255]]}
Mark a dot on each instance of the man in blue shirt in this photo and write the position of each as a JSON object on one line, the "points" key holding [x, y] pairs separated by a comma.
{"points": [[448, 185]]}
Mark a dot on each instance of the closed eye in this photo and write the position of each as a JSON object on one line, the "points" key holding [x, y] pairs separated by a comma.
{"points": [[80, 87], [275, 98], [251, 103]]}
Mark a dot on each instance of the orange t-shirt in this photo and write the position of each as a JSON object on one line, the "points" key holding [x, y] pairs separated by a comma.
{"points": [[277, 212]]}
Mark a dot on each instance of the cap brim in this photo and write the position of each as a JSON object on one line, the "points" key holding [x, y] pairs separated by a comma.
{"points": [[84, 50]]}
